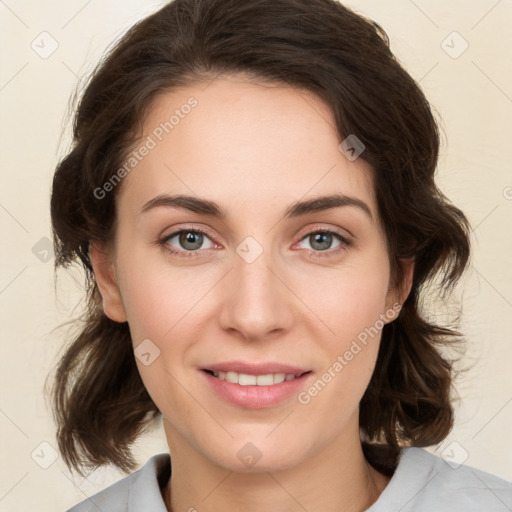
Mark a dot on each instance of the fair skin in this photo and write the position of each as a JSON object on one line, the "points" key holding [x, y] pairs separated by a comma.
{"points": [[254, 150]]}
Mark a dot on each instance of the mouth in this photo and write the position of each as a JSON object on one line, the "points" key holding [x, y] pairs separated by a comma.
{"points": [[264, 387], [246, 379]]}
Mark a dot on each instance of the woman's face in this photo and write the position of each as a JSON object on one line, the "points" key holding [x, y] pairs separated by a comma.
{"points": [[267, 282]]}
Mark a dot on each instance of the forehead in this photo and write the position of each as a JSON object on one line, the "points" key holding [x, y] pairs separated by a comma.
{"points": [[252, 144]]}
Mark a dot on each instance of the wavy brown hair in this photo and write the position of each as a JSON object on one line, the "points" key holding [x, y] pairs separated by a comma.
{"points": [[99, 401]]}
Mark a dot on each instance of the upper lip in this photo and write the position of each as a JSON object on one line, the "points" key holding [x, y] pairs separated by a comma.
{"points": [[255, 368]]}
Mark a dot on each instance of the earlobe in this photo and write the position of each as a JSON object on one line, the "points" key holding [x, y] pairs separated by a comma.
{"points": [[408, 273], [397, 297], [105, 275]]}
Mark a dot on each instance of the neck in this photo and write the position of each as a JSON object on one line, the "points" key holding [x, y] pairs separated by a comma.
{"points": [[336, 478]]}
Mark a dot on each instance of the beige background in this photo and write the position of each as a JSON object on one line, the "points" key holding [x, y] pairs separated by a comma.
{"points": [[472, 93]]}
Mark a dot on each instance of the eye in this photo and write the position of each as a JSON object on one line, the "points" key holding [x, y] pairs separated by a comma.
{"points": [[323, 240], [187, 240]]}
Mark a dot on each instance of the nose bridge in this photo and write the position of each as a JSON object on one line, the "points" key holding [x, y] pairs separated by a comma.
{"points": [[258, 302]]}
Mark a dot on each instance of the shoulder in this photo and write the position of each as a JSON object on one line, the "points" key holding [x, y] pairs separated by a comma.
{"points": [[137, 492], [424, 482]]}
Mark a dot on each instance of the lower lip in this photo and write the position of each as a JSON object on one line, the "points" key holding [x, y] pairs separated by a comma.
{"points": [[256, 397]]}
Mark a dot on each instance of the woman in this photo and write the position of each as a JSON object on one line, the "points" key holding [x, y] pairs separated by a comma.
{"points": [[251, 192]]}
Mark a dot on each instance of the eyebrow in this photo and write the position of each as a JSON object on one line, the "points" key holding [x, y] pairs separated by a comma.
{"points": [[296, 209]]}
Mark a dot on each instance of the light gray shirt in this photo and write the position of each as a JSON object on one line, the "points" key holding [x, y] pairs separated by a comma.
{"points": [[422, 482]]}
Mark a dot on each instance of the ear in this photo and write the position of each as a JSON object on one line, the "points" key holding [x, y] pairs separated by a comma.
{"points": [[105, 275], [397, 296]]}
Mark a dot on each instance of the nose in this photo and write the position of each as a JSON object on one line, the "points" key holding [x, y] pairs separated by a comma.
{"points": [[256, 302]]}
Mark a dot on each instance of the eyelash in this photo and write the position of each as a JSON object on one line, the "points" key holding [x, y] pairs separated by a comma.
{"points": [[344, 242]]}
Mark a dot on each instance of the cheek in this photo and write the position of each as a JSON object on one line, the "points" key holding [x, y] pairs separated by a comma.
{"points": [[164, 305], [349, 309], [346, 301], [158, 297]]}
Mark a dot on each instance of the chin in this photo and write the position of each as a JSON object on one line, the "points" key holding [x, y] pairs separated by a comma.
{"points": [[251, 455]]}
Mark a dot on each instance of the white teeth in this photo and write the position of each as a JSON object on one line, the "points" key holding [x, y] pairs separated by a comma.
{"points": [[244, 379]]}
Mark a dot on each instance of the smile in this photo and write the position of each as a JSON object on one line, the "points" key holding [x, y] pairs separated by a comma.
{"points": [[256, 391], [244, 379]]}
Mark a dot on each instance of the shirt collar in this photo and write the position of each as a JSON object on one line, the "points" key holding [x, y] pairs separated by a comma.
{"points": [[145, 490]]}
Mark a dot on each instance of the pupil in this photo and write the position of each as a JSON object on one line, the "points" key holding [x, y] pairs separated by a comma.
{"points": [[322, 241], [189, 237]]}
